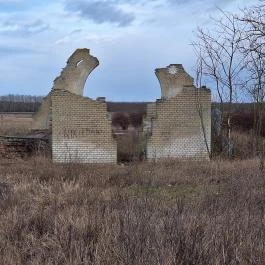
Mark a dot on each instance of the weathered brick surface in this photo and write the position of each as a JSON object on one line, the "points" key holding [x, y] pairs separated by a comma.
{"points": [[81, 130], [176, 129]]}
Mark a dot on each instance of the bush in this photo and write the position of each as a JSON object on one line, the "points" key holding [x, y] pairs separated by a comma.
{"points": [[120, 120]]}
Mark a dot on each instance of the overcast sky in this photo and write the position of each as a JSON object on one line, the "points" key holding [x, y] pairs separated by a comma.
{"points": [[129, 37]]}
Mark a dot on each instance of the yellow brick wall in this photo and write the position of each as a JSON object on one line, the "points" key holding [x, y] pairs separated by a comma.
{"points": [[176, 130], [81, 130]]}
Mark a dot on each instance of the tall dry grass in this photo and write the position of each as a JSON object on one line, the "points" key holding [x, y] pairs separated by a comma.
{"points": [[15, 123], [144, 213]]}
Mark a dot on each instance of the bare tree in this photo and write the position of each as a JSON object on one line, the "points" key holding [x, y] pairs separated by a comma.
{"points": [[254, 50], [19, 103], [222, 62], [254, 19], [207, 63]]}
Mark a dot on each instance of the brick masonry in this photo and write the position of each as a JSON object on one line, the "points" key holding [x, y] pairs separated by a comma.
{"points": [[176, 129], [81, 130]]}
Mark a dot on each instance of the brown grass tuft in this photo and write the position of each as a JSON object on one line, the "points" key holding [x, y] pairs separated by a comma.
{"points": [[142, 213]]}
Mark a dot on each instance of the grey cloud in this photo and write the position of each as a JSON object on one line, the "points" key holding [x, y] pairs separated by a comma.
{"points": [[101, 11], [223, 3], [220, 3], [76, 31], [36, 27], [8, 50], [13, 27], [179, 2], [134, 1]]}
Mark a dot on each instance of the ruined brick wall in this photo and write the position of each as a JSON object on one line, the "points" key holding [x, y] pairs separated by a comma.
{"points": [[72, 78], [81, 127], [176, 130], [81, 130]]}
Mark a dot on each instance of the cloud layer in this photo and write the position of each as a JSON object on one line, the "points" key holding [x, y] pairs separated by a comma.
{"points": [[21, 28], [100, 12], [130, 38]]}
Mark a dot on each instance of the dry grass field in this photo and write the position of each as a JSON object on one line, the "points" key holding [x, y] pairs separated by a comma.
{"points": [[187, 213], [144, 213], [15, 123]]}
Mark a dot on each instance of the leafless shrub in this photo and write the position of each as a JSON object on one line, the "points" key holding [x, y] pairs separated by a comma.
{"points": [[120, 119], [136, 119]]}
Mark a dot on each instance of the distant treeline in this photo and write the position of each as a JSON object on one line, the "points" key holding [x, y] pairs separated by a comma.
{"points": [[20, 103], [27, 103]]}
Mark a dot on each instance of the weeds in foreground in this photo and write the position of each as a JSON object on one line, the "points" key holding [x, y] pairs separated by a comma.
{"points": [[143, 213]]}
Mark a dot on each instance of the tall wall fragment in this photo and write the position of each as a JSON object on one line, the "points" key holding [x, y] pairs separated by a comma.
{"points": [[80, 128], [72, 78], [180, 123]]}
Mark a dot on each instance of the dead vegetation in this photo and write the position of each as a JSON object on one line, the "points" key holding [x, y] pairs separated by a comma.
{"points": [[15, 123], [144, 213]]}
